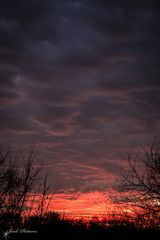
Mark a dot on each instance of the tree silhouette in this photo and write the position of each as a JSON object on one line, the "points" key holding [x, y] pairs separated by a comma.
{"points": [[19, 181], [142, 182]]}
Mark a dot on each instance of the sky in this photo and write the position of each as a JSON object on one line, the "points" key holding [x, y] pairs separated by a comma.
{"points": [[82, 79]]}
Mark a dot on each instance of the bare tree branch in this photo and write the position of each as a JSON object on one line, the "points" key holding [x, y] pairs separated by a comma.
{"points": [[142, 182]]}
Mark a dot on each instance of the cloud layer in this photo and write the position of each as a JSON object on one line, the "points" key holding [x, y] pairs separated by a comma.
{"points": [[83, 78]]}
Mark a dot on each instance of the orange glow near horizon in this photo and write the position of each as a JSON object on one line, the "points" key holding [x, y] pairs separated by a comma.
{"points": [[84, 205]]}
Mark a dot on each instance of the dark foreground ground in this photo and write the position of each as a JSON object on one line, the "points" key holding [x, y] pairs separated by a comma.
{"points": [[54, 227]]}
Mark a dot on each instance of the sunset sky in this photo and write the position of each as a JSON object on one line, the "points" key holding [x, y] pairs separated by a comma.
{"points": [[82, 79]]}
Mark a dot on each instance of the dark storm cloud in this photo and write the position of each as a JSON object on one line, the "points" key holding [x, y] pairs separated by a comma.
{"points": [[17, 117], [6, 77], [83, 76]]}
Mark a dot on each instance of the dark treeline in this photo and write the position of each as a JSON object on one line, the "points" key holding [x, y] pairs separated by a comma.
{"points": [[18, 182], [53, 226]]}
